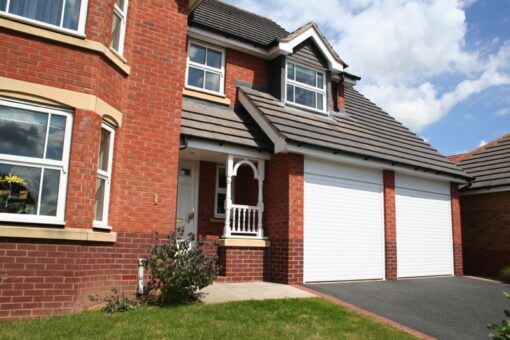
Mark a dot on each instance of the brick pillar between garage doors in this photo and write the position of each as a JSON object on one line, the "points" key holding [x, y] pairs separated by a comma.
{"points": [[390, 225], [457, 231]]}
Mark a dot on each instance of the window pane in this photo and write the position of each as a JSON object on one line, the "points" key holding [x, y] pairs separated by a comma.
{"points": [[290, 93], [22, 132], [49, 194], [305, 97], [320, 101], [57, 130], [3, 3], [48, 11], [99, 204], [320, 81], [197, 54], [104, 149], [212, 81], [305, 75], [72, 14], [115, 43], [220, 204], [222, 179], [290, 71], [196, 77], [214, 59], [19, 189], [120, 3]]}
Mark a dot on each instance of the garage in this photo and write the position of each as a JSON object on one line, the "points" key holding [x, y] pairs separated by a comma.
{"points": [[424, 227], [343, 222]]}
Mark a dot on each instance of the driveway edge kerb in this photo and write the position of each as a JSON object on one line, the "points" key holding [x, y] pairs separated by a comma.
{"points": [[372, 315]]}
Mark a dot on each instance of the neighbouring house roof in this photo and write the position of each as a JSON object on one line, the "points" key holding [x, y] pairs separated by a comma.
{"points": [[364, 129], [489, 164], [224, 124], [225, 18]]}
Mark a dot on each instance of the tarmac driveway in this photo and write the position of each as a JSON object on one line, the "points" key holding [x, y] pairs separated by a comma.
{"points": [[445, 307]]}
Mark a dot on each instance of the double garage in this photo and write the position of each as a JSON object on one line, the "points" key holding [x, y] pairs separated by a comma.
{"points": [[344, 224]]}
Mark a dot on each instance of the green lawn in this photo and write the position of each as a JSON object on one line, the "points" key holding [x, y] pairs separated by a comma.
{"points": [[284, 319]]}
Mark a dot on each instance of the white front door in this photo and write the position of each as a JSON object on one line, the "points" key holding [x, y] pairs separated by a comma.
{"points": [[187, 197]]}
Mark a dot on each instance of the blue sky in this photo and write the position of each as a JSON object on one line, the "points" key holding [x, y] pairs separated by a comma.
{"points": [[442, 67]]}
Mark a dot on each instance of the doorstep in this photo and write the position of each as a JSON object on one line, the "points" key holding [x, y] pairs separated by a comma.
{"points": [[220, 292]]}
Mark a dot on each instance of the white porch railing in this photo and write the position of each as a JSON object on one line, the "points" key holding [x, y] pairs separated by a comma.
{"points": [[245, 220]]}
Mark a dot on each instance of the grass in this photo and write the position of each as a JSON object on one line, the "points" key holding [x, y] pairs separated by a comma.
{"points": [[284, 319]]}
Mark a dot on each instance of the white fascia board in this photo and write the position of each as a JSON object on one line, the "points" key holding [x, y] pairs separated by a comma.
{"points": [[235, 150], [360, 161], [287, 48], [480, 191], [280, 145], [223, 41]]}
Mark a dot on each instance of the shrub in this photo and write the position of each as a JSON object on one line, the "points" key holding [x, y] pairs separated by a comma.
{"points": [[115, 303], [505, 275], [501, 331], [178, 269]]}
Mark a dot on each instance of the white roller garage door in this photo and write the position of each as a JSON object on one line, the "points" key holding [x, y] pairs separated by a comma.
{"points": [[343, 223], [424, 227]]}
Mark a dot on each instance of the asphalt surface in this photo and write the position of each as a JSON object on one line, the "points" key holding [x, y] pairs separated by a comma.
{"points": [[445, 307]]}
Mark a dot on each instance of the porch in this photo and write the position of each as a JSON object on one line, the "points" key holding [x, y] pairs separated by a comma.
{"points": [[221, 201]]}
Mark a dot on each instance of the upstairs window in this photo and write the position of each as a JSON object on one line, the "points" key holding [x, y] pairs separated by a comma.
{"points": [[206, 68], [68, 15], [34, 157], [119, 25], [305, 87]]}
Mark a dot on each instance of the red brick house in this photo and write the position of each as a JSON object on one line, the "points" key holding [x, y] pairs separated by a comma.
{"points": [[120, 121], [485, 204]]}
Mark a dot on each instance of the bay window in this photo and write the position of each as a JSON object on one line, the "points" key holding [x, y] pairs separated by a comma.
{"points": [[34, 157], [206, 68], [67, 15], [119, 25], [104, 176], [305, 87]]}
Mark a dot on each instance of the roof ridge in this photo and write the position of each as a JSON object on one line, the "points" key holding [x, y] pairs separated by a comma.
{"points": [[480, 149]]}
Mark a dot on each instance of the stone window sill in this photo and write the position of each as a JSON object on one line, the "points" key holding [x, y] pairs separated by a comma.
{"points": [[70, 234], [206, 96]]}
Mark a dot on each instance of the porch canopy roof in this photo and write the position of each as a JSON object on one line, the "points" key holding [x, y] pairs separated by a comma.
{"points": [[215, 122]]}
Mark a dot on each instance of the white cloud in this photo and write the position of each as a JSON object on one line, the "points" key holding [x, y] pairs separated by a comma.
{"points": [[482, 143], [503, 112], [397, 46]]}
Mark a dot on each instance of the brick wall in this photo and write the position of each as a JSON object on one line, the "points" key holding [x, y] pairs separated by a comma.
{"points": [[283, 217], [243, 264], [457, 231], [246, 68], [486, 233], [48, 277], [390, 225]]}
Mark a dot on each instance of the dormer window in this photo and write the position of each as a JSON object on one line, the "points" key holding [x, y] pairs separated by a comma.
{"points": [[305, 87], [206, 68]]}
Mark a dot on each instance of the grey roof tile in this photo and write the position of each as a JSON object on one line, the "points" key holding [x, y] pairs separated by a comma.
{"points": [[210, 121], [236, 22], [490, 167], [364, 130]]}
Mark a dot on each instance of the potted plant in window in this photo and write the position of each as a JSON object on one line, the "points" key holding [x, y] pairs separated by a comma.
{"points": [[13, 194]]}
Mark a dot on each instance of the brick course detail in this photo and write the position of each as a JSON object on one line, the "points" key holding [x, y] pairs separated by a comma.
{"points": [[486, 233], [239, 264]]}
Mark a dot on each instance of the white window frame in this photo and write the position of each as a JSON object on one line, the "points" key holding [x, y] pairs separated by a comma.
{"points": [[62, 165], [218, 190], [80, 31], [122, 13], [314, 89], [107, 177], [220, 72]]}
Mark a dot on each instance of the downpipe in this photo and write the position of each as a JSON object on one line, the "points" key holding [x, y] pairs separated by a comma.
{"points": [[141, 270]]}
